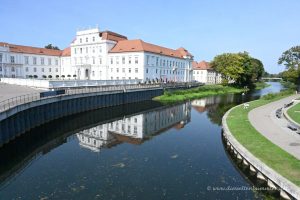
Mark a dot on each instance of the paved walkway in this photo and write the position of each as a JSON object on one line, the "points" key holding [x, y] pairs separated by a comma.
{"points": [[264, 120], [8, 91]]}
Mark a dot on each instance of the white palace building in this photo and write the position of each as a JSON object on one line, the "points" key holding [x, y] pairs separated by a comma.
{"points": [[97, 55]]}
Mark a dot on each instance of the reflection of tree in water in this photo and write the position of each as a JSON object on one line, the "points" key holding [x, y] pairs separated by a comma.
{"points": [[216, 112]]}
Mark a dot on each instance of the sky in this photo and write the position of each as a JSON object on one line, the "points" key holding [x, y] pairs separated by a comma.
{"points": [[264, 28]]}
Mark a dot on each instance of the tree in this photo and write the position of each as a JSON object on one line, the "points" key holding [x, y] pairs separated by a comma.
{"points": [[50, 76], [69, 76], [35, 76], [30, 76], [57, 76], [63, 76], [44, 76], [291, 59], [49, 46], [243, 69], [229, 65]]}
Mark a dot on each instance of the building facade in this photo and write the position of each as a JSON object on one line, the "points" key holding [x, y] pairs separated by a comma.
{"points": [[202, 72], [96, 55]]}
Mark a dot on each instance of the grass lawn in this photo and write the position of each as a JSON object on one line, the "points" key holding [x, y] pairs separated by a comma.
{"points": [[294, 113], [194, 93], [269, 153]]}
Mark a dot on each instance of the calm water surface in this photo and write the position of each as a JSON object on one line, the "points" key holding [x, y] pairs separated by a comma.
{"points": [[140, 151]]}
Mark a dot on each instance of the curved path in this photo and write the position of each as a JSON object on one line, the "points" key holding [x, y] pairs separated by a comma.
{"points": [[264, 120]]}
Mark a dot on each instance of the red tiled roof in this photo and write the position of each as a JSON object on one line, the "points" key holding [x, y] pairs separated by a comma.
{"points": [[31, 50], [109, 35], [66, 52], [140, 45], [203, 65]]}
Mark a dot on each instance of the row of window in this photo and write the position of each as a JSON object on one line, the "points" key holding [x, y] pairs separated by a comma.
{"points": [[117, 60], [136, 70], [87, 60], [87, 39], [123, 78], [166, 71], [93, 49], [150, 60], [42, 69]]}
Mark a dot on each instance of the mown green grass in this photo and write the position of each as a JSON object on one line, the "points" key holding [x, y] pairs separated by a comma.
{"points": [[294, 113], [202, 91], [269, 153]]}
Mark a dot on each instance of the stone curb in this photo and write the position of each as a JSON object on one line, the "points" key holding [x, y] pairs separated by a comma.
{"points": [[287, 117], [288, 190]]}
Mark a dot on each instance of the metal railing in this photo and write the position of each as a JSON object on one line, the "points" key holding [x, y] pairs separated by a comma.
{"points": [[23, 99]]}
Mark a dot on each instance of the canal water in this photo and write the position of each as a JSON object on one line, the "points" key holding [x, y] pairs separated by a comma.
{"points": [[139, 151]]}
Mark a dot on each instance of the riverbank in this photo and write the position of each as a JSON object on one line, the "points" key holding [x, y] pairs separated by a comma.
{"points": [[199, 92], [294, 113], [261, 85], [273, 156]]}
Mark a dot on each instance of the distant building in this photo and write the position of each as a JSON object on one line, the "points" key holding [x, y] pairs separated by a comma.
{"points": [[204, 73], [98, 55]]}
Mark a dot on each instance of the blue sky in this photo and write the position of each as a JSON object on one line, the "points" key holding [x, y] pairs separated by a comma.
{"points": [[264, 28]]}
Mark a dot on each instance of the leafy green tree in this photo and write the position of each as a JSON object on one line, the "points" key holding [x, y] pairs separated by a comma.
{"points": [[230, 65], [239, 67], [50, 46], [291, 59]]}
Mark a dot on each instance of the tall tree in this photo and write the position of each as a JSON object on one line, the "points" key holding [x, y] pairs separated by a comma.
{"points": [[291, 59], [229, 65], [50, 46]]}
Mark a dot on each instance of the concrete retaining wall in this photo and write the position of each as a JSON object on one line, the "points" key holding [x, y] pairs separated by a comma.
{"points": [[20, 119], [288, 190]]}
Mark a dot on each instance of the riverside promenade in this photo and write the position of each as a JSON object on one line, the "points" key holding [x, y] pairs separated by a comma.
{"points": [[264, 120], [8, 91]]}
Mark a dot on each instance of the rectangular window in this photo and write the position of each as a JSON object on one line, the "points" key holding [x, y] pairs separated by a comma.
{"points": [[1, 58], [86, 39], [80, 40], [129, 60], [129, 70], [111, 60], [0, 69], [26, 69], [34, 60], [49, 61], [148, 59], [56, 69], [123, 60], [12, 59], [93, 73], [100, 61], [94, 60], [117, 60], [49, 69], [42, 61], [117, 69], [43, 70], [136, 70], [136, 60], [34, 69], [93, 39], [86, 50], [147, 70], [157, 61], [81, 50], [123, 70], [56, 62], [100, 49], [26, 60]]}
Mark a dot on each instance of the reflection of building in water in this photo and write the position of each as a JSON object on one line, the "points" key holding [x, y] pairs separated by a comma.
{"points": [[134, 129], [201, 104]]}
